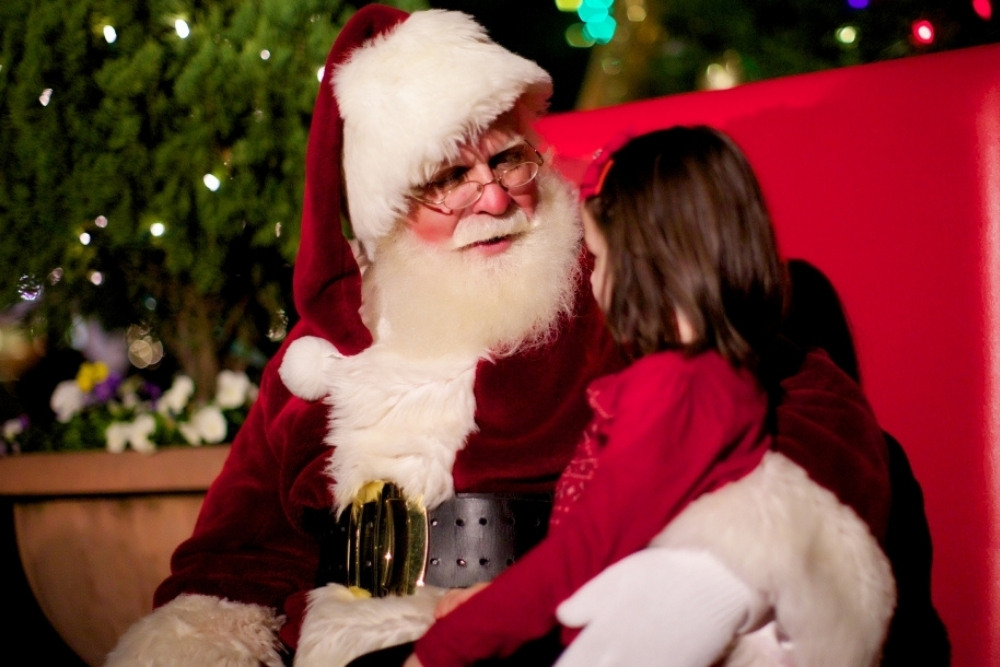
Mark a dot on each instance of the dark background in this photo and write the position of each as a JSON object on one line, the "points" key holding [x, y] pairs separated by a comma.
{"points": [[534, 29]]}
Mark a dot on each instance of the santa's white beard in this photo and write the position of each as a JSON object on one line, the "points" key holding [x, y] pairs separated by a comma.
{"points": [[430, 301]]}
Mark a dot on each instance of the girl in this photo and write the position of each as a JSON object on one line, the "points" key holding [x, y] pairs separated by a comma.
{"points": [[689, 277]]}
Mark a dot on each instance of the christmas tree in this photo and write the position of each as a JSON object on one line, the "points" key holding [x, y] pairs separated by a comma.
{"points": [[151, 169]]}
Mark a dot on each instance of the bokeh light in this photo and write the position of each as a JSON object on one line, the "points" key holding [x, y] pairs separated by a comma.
{"points": [[923, 32]]}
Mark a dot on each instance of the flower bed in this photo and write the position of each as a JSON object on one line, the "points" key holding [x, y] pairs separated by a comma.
{"points": [[102, 410]]}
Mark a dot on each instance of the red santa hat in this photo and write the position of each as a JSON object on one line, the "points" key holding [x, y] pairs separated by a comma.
{"points": [[400, 93]]}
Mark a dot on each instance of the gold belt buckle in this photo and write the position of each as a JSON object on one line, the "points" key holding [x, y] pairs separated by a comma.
{"points": [[387, 541]]}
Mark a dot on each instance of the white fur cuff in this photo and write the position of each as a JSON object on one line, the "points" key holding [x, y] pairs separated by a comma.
{"points": [[201, 630], [339, 627]]}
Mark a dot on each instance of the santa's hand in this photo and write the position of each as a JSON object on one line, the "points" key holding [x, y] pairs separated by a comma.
{"points": [[658, 607], [455, 597]]}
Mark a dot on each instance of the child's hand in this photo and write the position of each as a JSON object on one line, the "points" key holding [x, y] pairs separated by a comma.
{"points": [[413, 661], [452, 599]]}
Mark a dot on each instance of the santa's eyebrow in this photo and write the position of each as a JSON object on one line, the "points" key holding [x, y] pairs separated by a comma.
{"points": [[460, 166], [501, 156]]}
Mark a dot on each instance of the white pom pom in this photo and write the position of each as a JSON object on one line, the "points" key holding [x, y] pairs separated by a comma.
{"points": [[302, 368]]}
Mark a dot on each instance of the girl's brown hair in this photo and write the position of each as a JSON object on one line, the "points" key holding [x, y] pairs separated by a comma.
{"points": [[687, 230]]}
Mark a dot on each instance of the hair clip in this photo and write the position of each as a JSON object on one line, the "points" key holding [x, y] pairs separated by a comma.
{"points": [[593, 179]]}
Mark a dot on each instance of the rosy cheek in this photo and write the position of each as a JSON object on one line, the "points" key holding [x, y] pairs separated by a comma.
{"points": [[433, 227]]}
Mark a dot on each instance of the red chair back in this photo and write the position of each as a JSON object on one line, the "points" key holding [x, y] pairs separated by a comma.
{"points": [[887, 177]]}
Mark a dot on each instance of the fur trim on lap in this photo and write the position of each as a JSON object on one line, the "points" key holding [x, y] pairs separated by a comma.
{"points": [[201, 630], [830, 584], [339, 627]]}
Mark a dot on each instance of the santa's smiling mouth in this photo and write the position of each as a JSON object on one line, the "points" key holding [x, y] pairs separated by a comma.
{"points": [[496, 243], [492, 241]]}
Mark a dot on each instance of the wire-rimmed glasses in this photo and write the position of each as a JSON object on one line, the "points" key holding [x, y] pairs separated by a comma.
{"points": [[514, 168]]}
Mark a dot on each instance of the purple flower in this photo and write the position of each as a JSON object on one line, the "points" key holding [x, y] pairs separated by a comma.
{"points": [[152, 390], [106, 389]]}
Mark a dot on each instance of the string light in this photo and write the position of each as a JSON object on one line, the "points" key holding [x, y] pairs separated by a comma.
{"points": [[45, 97], [279, 326], [29, 288], [211, 182], [143, 349], [157, 229], [923, 32], [636, 11], [984, 8], [847, 34], [857, 4], [577, 37], [110, 35], [182, 28], [85, 238], [598, 24], [725, 74]]}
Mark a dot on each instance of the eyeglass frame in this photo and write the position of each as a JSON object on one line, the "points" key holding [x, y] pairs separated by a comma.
{"points": [[482, 186]]}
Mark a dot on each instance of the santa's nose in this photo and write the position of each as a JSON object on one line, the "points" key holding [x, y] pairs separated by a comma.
{"points": [[494, 200]]}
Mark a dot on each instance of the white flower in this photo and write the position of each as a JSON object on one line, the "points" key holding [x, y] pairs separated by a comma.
{"points": [[232, 389], [12, 428], [67, 400], [210, 424], [190, 433], [142, 428], [119, 435], [116, 437], [128, 395], [175, 398]]}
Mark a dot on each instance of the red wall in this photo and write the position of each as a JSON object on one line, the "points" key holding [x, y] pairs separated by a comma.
{"points": [[887, 177]]}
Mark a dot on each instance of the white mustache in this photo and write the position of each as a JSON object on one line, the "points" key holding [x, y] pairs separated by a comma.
{"points": [[478, 228]]}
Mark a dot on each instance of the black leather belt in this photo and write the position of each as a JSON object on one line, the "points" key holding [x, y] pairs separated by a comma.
{"points": [[387, 545]]}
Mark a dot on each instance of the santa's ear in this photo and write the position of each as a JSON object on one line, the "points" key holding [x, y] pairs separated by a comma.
{"points": [[302, 368]]}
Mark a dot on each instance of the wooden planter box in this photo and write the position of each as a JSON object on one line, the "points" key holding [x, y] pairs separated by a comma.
{"points": [[95, 532]]}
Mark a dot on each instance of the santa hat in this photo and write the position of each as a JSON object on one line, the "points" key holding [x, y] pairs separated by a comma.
{"points": [[400, 93]]}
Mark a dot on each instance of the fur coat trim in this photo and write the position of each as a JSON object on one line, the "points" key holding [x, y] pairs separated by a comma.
{"points": [[202, 630], [829, 584]]}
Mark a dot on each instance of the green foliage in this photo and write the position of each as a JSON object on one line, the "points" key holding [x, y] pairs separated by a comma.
{"points": [[126, 135]]}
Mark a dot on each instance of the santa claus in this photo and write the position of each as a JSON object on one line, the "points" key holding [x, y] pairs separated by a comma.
{"points": [[404, 434]]}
